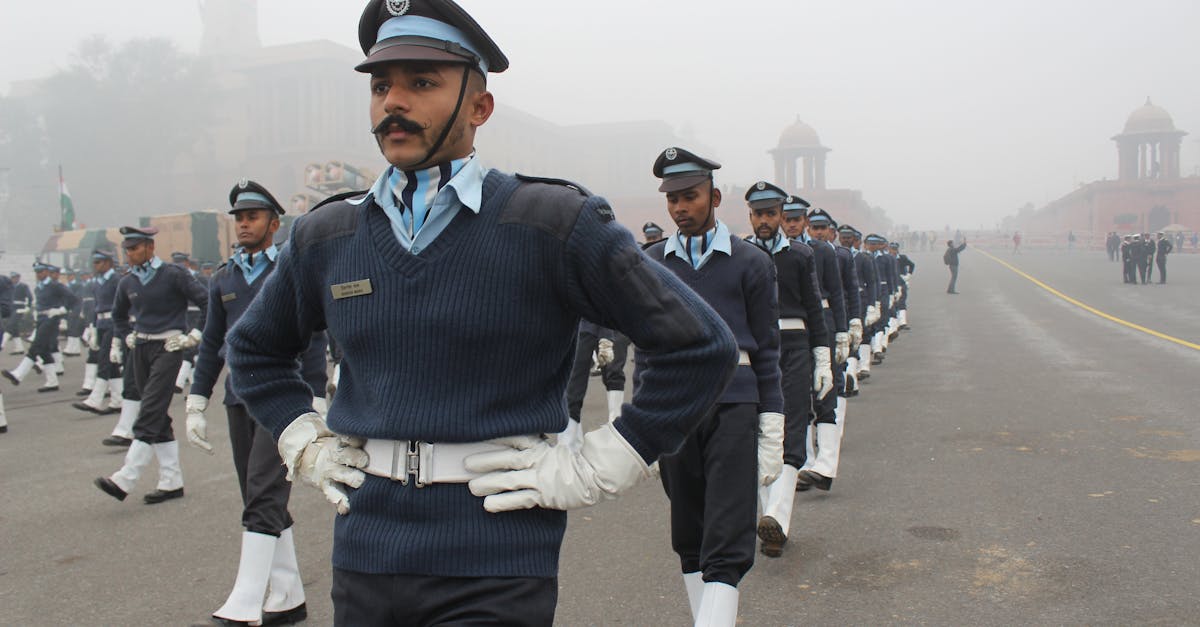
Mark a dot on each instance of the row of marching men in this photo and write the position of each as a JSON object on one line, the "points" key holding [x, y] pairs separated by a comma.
{"points": [[811, 316]]}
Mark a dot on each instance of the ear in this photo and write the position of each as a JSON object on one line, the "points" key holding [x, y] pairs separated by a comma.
{"points": [[481, 106], [716, 196]]}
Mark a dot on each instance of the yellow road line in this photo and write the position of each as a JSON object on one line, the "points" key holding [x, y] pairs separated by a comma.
{"points": [[1089, 308]]}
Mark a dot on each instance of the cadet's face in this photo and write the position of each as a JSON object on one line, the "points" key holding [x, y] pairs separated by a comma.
{"points": [[690, 208], [255, 228], [846, 240], [40, 275], [140, 253], [793, 227], [765, 222], [819, 232], [420, 98]]}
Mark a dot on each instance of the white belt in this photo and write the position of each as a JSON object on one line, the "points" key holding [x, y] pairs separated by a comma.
{"points": [[154, 337], [743, 358], [792, 324], [428, 463], [104, 316], [824, 303]]}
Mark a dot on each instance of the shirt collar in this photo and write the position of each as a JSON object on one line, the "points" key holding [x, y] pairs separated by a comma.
{"points": [[467, 186], [721, 242]]}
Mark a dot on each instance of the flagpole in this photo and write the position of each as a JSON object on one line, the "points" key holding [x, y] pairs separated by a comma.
{"points": [[61, 208]]}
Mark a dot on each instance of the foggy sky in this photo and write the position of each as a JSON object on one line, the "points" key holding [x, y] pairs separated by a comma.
{"points": [[940, 112]]}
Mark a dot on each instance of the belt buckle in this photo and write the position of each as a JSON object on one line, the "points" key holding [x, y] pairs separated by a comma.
{"points": [[412, 453]]}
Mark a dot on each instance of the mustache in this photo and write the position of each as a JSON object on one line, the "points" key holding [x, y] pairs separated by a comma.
{"points": [[405, 124]]}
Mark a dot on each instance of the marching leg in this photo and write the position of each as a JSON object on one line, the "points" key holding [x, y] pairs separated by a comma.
{"points": [[89, 379], [18, 374], [122, 434], [694, 582], [719, 606], [3, 418], [285, 601], [121, 482], [170, 475], [245, 602]]}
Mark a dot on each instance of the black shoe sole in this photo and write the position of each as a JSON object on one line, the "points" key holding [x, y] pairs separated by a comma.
{"points": [[112, 489], [289, 617], [84, 392], [116, 440], [817, 480], [85, 407], [11, 379], [160, 496], [4, 429], [51, 388], [771, 534]]}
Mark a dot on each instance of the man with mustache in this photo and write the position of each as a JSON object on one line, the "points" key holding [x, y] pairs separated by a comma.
{"points": [[267, 566], [804, 354], [451, 501], [737, 446]]}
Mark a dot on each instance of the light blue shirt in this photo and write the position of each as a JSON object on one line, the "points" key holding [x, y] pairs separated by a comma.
{"points": [[698, 249], [774, 246], [260, 262], [146, 271], [415, 234]]}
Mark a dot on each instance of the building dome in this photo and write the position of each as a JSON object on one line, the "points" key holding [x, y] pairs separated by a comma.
{"points": [[1149, 118], [799, 135]]}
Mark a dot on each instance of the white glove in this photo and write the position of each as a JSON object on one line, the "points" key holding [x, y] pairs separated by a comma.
{"points": [[33, 336], [842, 345], [322, 459], [856, 332], [54, 311], [114, 351], [131, 340], [770, 447], [22, 311], [183, 342], [604, 352], [197, 427], [536, 474], [891, 301], [321, 405], [872, 314], [90, 338], [822, 372], [905, 277]]}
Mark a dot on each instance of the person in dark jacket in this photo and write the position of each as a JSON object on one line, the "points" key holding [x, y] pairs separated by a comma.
{"points": [[950, 257], [1165, 247]]}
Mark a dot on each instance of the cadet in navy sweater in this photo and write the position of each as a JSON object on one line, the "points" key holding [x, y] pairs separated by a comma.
{"points": [[268, 554], [162, 292], [876, 244], [108, 374], [712, 479], [53, 302], [868, 285], [804, 354], [452, 503]]}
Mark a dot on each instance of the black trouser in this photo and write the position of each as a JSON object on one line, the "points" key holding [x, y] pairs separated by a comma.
{"points": [[19, 324], [1142, 269], [796, 363], [364, 600], [75, 323], [953, 278], [105, 368], [613, 374], [712, 482], [1162, 269], [46, 342], [261, 474], [823, 408], [155, 368], [130, 391]]}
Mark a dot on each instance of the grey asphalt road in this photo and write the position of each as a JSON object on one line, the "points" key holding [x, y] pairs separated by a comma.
{"points": [[1015, 460]]}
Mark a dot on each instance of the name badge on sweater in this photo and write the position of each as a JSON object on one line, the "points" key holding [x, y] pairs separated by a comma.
{"points": [[228, 297], [352, 289]]}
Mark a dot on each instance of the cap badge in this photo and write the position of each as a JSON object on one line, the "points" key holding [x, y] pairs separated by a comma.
{"points": [[244, 183], [761, 186], [671, 154], [398, 7]]}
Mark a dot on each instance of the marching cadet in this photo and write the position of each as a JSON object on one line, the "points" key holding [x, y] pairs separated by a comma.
{"points": [[162, 292], [712, 479], [824, 435], [59, 361], [804, 359], [87, 337], [6, 310], [184, 377], [130, 404], [53, 301], [1165, 247], [19, 325], [868, 282], [451, 503], [905, 267], [876, 244], [267, 566], [108, 374], [851, 291], [75, 320]]}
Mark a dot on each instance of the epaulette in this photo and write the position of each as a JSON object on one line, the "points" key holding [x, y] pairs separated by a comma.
{"points": [[337, 197], [549, 205], [561, 182]]}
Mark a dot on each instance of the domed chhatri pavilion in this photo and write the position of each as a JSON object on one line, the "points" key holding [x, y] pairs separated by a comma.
{"points": [[1149, 192], [800, 169]]}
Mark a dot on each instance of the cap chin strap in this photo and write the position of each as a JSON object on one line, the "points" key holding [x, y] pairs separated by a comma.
{"points": [[462, 93]]}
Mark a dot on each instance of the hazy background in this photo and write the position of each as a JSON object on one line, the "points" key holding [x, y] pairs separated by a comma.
{"points": [[940, 112]]}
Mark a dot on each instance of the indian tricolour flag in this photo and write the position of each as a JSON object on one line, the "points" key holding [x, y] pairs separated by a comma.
{"points": [[64, 200]]}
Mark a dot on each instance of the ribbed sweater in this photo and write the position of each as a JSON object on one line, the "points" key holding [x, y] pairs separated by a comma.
{"points": [[471, 340]]}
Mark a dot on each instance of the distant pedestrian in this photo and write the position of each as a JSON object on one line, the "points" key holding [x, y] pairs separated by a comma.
{"points": [[1165, 247], [1070, 241], [951, 259], [1017, 242]]}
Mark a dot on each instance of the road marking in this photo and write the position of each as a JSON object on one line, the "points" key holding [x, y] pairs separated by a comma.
{"points": [[1089, 308]]}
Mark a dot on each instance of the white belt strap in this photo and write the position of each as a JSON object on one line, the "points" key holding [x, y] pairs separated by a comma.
{"points": [[107, 315], [792, 324], [400, 460], [155, 337]]}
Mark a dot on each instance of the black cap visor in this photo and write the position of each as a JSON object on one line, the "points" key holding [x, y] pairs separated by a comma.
{"points": [[399, 49], [765, 203], [683, 181]]}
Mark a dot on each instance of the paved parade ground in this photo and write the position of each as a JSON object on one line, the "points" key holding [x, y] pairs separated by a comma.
{"points": [[1015, 460]]}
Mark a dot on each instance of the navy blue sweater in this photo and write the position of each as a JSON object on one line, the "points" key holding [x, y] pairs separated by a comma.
{"points": [[228, 298], [868, 278], [830, 281], [55, 294], [850, 284], [161, 304], [106, 296], [799, 294], [741, 287], [471, 340]]}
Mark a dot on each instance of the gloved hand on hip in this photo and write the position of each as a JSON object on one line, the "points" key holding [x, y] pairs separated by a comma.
{"points": [[323, 459], [534, 473], [183, 342]]}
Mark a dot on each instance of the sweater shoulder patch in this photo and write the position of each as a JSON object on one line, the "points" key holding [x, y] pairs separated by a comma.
{"points": [[549, 205], [329, 221]]}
